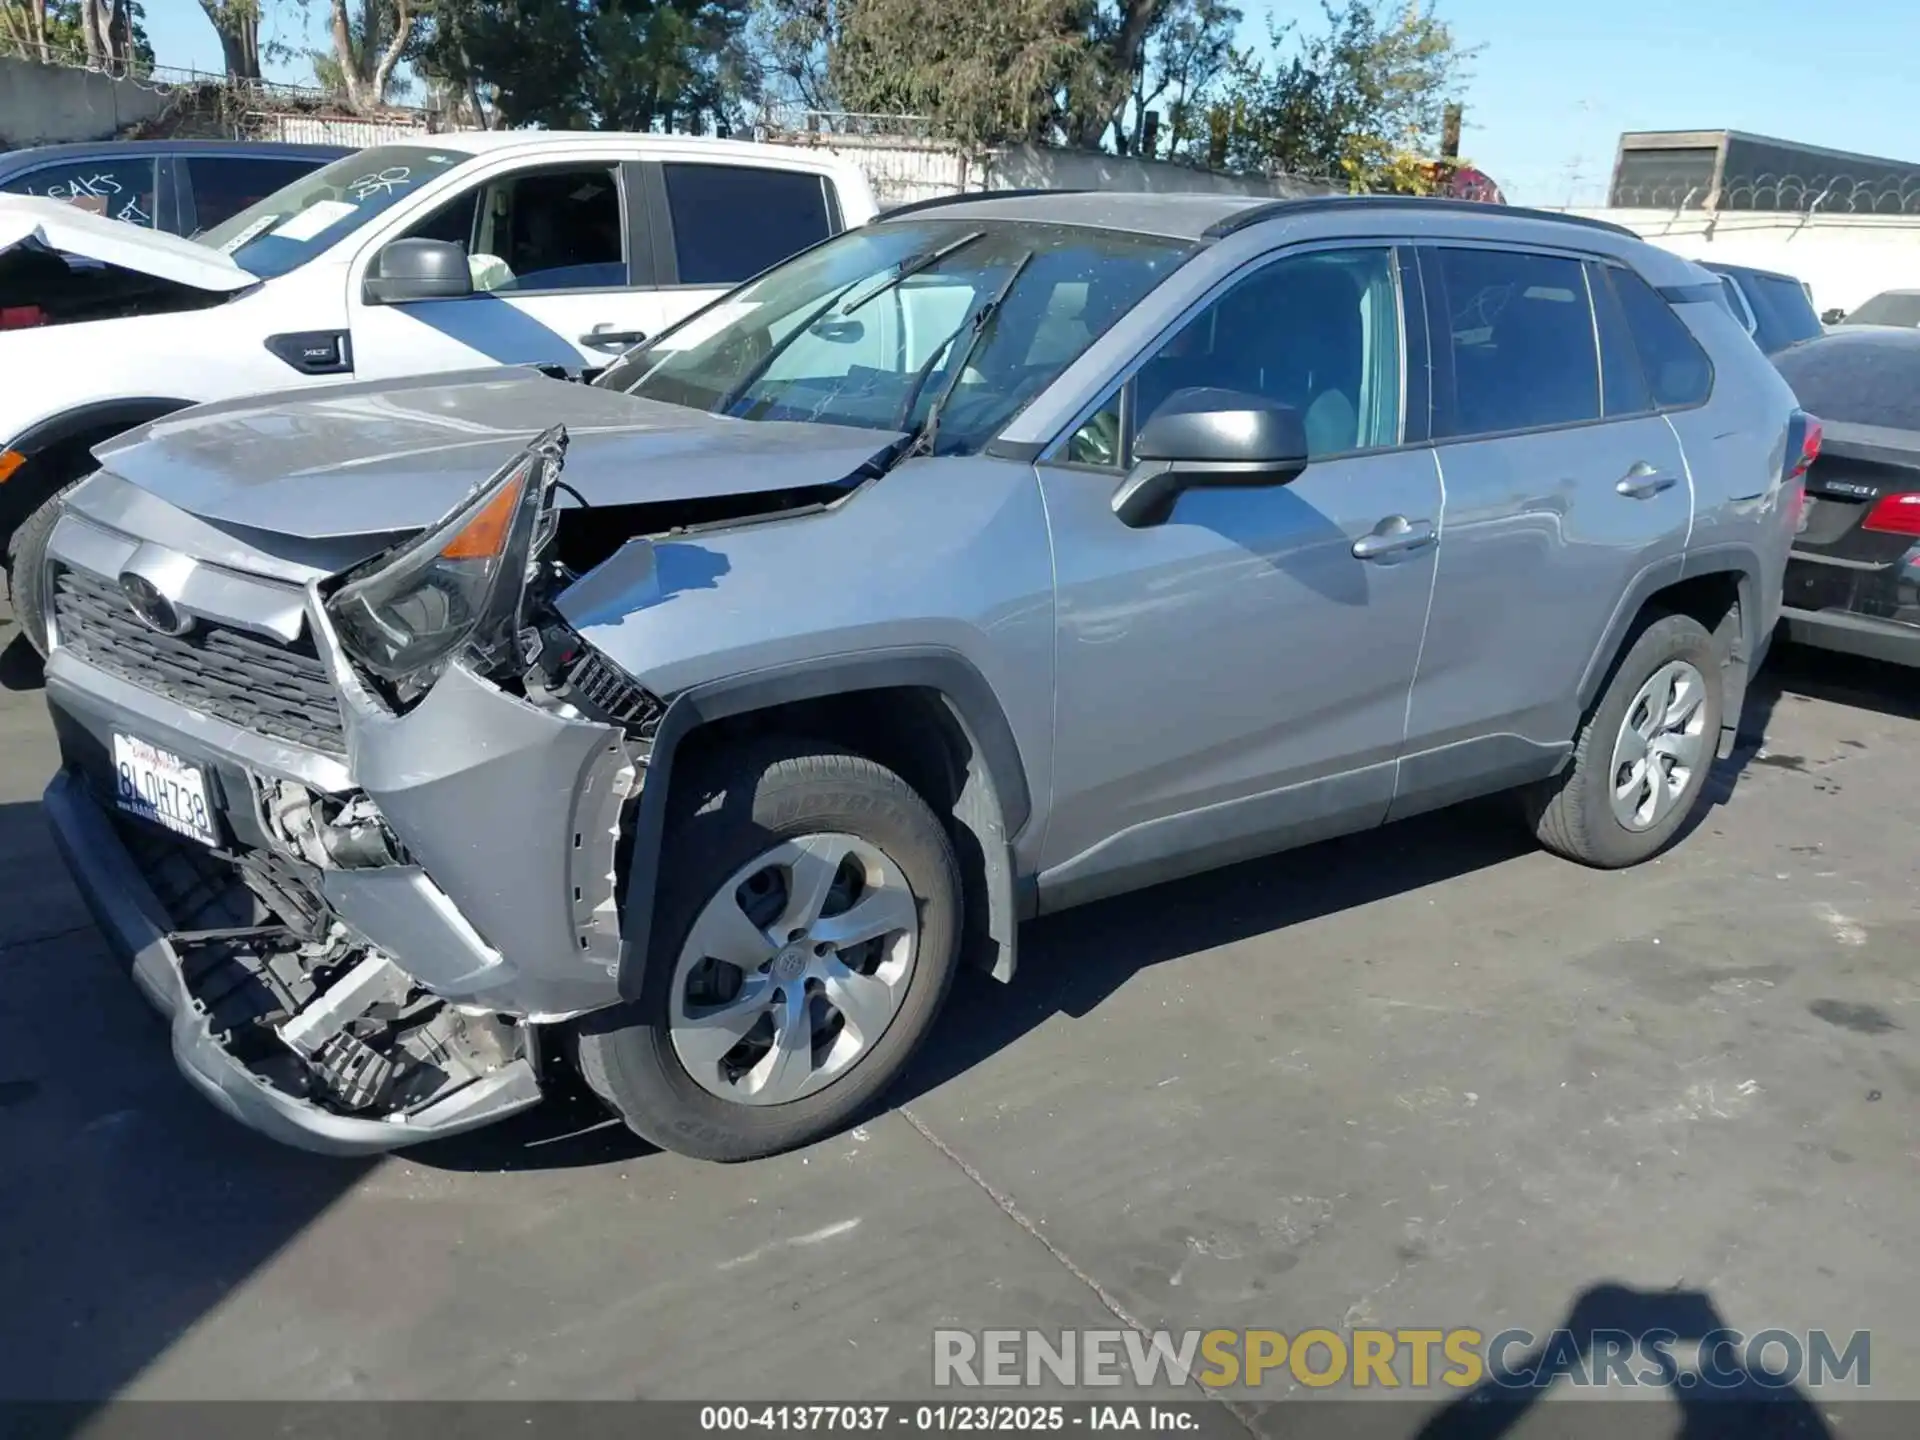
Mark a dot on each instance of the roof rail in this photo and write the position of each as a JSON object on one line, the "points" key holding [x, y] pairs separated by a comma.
{"points": [[913, 207], [1274, 209]]}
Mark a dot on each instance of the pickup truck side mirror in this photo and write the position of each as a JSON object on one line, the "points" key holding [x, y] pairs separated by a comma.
{"points": [[1833, 316], [419, 270], [1211, 438]]}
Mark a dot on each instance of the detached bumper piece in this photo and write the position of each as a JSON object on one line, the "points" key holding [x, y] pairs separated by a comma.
{"points": [[292, 1029]]}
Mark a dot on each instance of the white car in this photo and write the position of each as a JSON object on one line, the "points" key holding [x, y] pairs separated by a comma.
{"points": [[446, 253]]}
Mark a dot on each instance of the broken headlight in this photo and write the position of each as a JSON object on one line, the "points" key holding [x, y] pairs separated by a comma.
{"points": [[456, 588]]}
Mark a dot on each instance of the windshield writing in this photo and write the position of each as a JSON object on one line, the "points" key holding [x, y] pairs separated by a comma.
{"points": [[315, 212]]}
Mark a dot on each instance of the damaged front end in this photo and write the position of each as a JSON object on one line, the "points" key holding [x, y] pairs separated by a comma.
{"points": [[360, 867]]}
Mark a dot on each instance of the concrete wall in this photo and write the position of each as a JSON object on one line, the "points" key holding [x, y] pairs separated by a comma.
{"points": [[49, 104], [1844, 259]]}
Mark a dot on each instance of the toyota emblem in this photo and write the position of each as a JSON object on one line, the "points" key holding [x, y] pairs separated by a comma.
{"points": [[154, 610]]}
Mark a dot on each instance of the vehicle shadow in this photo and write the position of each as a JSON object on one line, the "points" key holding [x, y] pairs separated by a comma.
{"points": [[1721, 1396], [131, 1206], [20, 665], [1071, 963]]}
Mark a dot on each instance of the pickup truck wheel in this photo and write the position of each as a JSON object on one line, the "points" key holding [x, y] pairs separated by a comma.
{"points": [[808, 927], [27, 568], [1640, 763]]}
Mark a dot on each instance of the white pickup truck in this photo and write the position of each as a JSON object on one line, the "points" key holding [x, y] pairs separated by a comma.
{"points": [[444, 253]]}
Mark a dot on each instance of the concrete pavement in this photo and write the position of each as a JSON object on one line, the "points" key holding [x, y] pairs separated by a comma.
{"points": [[1430, 1076]]}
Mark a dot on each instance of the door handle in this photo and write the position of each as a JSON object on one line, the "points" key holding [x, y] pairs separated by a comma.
{"points": [[1643, 482], [601, 337], [1394, 535]]}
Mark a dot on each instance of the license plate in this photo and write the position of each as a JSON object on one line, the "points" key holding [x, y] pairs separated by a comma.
{"points": [[158, 785]]}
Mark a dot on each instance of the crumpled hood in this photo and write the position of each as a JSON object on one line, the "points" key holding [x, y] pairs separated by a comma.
{"points": [[386, 457], [56, 225]]}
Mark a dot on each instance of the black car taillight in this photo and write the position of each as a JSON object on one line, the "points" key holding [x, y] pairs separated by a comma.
{"points": [[1895, 515], [1803, 444]]}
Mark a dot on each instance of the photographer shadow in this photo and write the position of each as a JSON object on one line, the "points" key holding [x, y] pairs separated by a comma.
{"points": [[1722, 1398]]}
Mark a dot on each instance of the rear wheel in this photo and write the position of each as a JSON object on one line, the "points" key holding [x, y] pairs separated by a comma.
{"points": [[1641, 761], [27, 568], [808, 925]]}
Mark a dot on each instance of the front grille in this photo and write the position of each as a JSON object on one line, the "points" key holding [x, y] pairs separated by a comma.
{"points": [[233, 675]]}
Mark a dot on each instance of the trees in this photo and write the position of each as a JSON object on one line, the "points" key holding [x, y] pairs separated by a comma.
{"points": [[237, 23], [103, 32], [1360, 99], [1362, 102]]}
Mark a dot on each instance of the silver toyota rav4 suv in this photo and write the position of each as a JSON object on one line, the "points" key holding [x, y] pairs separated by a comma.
{"points": [[692, 726]]}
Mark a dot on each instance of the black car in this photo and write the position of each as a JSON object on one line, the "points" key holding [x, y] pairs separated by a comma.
{"points": [[182, 186], [1776, 309], [1853, 580]]}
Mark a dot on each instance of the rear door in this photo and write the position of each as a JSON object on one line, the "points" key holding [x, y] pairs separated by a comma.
{"points": [[1563, 482]]}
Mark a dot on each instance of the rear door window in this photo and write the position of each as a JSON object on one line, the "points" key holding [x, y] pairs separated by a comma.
{"points": [[120, 189], [1678, 370], [730, 222], [1519, 331], [1783, 312], [222, 186]]}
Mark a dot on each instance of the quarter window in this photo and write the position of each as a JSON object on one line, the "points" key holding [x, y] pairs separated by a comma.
{"points": [[1677, 368], [1520, 331], [1319, 332], [730, 222]]}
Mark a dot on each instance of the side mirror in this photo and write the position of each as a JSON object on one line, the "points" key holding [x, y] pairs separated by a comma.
{"points": [[419, 270], [1205, 437], [1833, 316]]}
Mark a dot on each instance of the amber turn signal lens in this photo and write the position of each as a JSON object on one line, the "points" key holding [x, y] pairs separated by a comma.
{"points": [[485, 536], [10, 461]]}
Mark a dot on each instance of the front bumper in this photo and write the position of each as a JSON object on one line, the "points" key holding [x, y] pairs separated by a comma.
{"points": [[494, 900], [134, 923]]}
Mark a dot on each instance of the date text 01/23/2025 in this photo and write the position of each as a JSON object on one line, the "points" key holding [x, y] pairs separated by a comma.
{"points": [[973, 1419]]}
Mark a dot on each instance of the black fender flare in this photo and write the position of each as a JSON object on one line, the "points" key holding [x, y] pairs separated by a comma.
{"points": [[1741, 561], [995, 807], [105, 418]]}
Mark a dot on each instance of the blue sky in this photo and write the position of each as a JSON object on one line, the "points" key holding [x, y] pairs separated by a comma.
{"points": [[1555, 83]]}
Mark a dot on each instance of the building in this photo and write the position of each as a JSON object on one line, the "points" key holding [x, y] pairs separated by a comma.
{"points": [[1724, 170]]}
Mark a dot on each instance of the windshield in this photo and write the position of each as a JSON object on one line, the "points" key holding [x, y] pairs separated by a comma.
{"points": [[882, 325], [1893, 307], [297, 222]]}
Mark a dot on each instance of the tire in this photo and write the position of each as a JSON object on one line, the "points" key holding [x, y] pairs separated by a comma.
{"points": [[27, 568], [779, 798], [1574, 814]]}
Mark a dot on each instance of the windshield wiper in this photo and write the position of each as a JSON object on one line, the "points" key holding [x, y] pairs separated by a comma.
{"points": [[979, 322], [850, 297]]}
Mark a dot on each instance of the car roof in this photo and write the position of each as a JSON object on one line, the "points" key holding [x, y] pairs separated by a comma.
{"points": [[1200, 215], [1723, 268], [483, 142], [16, 160]]}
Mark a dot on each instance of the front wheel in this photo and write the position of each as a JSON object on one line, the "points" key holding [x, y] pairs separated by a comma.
{"points": [[808, 928], [1641, 760], [27, 568]]}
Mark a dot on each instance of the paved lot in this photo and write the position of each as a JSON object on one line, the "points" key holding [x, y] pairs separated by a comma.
{"points": [[1430, 1076]]}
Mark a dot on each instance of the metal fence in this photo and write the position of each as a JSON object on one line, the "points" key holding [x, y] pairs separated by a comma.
{"points": [[1792, 194]]}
